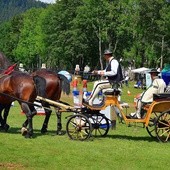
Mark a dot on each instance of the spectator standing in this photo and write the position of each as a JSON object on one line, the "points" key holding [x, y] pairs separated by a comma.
{"points": [[127, 80], [86, 72]]}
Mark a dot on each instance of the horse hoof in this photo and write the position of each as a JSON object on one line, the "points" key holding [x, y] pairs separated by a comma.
{"points": [[1, 128], [24, 131], [59, 133], [6, 127], [28, 136], [43, 131]]}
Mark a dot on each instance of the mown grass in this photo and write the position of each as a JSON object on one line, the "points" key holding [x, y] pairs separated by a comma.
{"points": [[127, 148]]}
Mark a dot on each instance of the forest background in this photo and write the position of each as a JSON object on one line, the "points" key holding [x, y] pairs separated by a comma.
{"points": [[72, 32]]}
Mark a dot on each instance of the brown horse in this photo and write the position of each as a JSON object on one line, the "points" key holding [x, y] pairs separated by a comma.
{"points": [[18, 86], [55, 84], [52, 87]]}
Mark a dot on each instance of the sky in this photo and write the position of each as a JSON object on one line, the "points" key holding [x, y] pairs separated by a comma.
{"points": [[48, 1]]}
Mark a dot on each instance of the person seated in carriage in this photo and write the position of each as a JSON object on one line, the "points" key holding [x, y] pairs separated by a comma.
{"points": [[112, 72], [158, 86]]}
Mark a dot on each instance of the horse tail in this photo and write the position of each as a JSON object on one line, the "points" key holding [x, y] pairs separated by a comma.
{"points": [[40, 84], [65, 84]]}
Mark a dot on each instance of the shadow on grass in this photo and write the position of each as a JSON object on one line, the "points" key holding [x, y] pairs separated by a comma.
{"points": [[37, 132], [133, 138]]}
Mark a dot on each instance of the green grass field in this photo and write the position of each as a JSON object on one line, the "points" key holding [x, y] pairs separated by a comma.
{"points": [[127, 148]]}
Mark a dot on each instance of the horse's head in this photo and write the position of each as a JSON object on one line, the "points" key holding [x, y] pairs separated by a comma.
{"points": [[4, 62]]}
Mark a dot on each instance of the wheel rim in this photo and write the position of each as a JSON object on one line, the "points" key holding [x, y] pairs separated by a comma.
{"points": [[100, 125], [162, 127], [78, 127], [151, 126]]}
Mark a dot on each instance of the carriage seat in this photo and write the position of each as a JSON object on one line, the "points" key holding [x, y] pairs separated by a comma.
{"points": [[111, 91], [161, 96]]}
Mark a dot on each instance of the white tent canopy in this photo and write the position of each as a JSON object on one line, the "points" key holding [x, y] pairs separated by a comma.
{"points": [[140, 70]]}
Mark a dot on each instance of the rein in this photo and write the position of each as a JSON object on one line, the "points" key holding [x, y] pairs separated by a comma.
{"points": [[8, 71]]}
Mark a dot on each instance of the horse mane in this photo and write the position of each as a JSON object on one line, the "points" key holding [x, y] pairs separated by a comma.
{"points": [[4, 62]]}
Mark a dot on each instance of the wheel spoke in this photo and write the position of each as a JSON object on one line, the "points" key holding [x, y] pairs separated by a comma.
{"points": [[151, 125], [100, 125], [163, 123], [85, 127], [73, 123], [100, 120], [78, 127], [81, 135], [101, 130], [152, 130], [162, 127], [163, 132], [167, 137], [156, 115]]}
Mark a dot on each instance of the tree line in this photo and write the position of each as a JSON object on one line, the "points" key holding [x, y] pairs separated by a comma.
{"points": [[10, 8], [72, 32]]}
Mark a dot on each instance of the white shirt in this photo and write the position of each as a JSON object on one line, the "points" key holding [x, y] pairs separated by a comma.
{"points": [[86, 69], [158, 86], [114, 67], [126, 78]]}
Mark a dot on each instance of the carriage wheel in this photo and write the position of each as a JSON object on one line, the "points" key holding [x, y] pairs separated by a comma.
{"points": [[78, 127], [151, 126], [162, 127], [100, 125]]}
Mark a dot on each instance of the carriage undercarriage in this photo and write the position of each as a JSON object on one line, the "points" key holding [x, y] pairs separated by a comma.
{"points": [[87, 121]]}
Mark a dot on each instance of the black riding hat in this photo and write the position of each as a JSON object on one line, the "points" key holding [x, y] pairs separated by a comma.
{"points": [[107, 52], [154, 71]]}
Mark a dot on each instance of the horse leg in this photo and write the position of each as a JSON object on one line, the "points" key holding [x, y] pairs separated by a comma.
{"points": [[30, 112], [41, 90], [6, 113], [24, 128], [47, 117], [59, 124], [1, 119], [45, 124]]}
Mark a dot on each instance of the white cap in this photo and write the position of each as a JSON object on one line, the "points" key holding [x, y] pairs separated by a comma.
{"points": [[21, 65], [77, 68], [43, 65]]}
